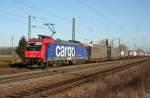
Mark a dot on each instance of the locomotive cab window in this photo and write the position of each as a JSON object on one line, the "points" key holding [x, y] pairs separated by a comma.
{"points": [[35, 46]]}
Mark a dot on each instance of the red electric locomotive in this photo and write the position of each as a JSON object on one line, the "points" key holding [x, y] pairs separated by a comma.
{"points": [[36, 49]]}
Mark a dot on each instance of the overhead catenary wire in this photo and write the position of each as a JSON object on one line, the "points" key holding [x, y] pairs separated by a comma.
{"points": [[95, 11], [43, 12], [40, 11], [22, 19], [107, 20], [144, 8], [19, 18], [11, 14], [46, 13]]}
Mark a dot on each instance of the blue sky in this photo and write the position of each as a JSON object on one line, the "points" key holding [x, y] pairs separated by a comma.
{"points": [[95, 20]]}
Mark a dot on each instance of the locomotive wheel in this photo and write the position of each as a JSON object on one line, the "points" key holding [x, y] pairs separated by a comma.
{"points": [[54, 64], [43, 65], [83, 61], [57, 63], [50, 64], [79, 61]]}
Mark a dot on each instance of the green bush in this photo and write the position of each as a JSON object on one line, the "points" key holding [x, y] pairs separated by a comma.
{"points": [[21, 48]]}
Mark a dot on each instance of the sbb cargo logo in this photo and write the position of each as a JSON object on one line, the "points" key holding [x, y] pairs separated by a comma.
{"points": [[65, 51]]}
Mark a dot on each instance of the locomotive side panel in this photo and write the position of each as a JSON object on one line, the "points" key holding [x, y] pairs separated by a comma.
{"points": [[64, 51]]}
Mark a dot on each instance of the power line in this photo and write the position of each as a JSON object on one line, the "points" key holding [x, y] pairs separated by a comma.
{"points": [[12, 14], [94, 10], [40, 20], [19, 18], [39, 27], [46, 13], [39, 10], [146, 12]]}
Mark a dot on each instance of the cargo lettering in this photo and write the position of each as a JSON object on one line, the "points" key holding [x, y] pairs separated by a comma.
{"points": [[65, 51]]}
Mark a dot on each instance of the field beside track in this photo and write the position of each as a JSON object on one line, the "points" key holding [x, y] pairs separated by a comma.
{"points": [[129, 83], [5, 65], [82, 81], [56, 81], [7, 59]]}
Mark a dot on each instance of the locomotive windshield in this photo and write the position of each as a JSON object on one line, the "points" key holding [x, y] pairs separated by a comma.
{"points": [[34, 46]]}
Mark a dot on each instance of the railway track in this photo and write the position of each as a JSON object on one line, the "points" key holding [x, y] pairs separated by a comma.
{"points": [[60, 86], [35, 75], [48, 91], [41, 73], [75, 82]]}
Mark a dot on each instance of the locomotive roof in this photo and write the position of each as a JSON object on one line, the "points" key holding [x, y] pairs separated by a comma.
{"points": [[70, 42], [44, 36]]}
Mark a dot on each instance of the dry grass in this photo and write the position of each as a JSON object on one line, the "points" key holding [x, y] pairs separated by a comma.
{"points": [[5, 65], [8, 58], [131, 83]]}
